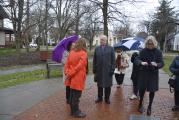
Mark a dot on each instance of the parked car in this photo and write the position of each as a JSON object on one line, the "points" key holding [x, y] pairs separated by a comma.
{"points": [[32, 45]]}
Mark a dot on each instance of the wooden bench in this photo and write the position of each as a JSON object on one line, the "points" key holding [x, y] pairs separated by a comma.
{"points": [[53, 65]]}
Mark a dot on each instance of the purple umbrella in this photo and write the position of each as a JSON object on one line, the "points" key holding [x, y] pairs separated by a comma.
{"points": [[57, 52]]}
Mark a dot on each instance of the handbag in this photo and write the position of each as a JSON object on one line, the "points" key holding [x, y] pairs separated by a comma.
{"points": [[171, 82]]}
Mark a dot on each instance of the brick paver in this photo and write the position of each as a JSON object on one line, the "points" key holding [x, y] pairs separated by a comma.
{"points": [[55, 108]]}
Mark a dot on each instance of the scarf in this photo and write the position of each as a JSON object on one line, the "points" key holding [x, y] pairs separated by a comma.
{"points": [[118, 62]]}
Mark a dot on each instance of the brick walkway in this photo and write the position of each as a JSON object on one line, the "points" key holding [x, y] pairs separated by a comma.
{"points": [[55, 108]]}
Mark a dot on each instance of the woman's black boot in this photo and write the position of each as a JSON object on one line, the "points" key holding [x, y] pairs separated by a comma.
{"points": [[149, 111]]}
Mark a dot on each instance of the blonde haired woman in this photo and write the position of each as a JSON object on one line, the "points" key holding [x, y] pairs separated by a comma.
{"points": [[75, 71], [150, 60]]}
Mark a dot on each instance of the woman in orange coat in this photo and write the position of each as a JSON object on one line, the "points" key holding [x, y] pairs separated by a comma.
{"points": [[75, 71]]}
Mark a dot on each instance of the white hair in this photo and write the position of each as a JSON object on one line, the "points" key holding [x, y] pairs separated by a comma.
{"points": [[104, 37], [152, 39]]}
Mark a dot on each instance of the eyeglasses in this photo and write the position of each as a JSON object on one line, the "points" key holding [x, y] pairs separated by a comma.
{"points": [[150, 44]]}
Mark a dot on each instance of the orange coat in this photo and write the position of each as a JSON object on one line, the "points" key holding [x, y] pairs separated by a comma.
{"points": [[75, 69]]}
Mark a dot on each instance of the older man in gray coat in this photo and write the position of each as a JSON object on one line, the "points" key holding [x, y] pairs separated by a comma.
{"points": [[103, 68]]}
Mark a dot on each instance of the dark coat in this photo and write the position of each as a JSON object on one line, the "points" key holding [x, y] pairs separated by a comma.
{"points": [[104, 65], [174, 68], [135, 68], [148, 78]]}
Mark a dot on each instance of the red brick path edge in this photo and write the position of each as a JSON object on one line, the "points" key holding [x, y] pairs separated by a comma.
{"points": [[55, 107]]}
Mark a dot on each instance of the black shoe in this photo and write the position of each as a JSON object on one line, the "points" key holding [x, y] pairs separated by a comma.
{"points": [[71, 113], [119, 86], [148, 111], [107, 101], [98, 100], [141, 109], [79, 114], [68, 102], [175, 108]]}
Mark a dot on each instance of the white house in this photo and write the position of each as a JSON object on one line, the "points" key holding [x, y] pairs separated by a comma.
{"points": [[112, 39], [176, 42], [6, 34], [176, 37]]}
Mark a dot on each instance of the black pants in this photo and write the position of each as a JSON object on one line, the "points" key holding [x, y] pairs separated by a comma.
{"points": [[176, 96], [135, 87], [74, 100], [119, 78], [107, 92], [68, 93]]}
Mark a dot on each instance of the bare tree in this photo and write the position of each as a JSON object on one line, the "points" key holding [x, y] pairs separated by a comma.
{"points": [[122, 31], [90, 22], [16, 9], [146, 24], [20, 16], [64, 15], [110, 11]]}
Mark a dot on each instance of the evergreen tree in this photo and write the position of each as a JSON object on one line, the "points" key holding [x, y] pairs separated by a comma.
{"points": [[163, 23]]}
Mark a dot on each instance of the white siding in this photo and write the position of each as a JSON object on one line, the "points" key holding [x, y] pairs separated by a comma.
{"points": [[176, 42], [111, 39], [2, 38], [1, 22]]}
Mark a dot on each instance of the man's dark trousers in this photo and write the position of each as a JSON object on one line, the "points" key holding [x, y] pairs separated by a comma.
{"points": [[107, 92]]}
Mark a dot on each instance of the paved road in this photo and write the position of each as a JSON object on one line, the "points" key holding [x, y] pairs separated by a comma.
{"points": [[17, 99], [121, 107]]}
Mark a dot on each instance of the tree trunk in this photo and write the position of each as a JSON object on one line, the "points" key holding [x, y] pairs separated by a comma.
{"points": [[59, 9], [19, 24], [46, 20], [165, 41], [17, 39], [27, 35], [105, 17], [77, 17]]}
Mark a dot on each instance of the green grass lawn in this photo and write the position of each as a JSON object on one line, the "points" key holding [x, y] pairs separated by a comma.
{"points": [[7, 51], [167, 61], [25, 77], [12, 51]]}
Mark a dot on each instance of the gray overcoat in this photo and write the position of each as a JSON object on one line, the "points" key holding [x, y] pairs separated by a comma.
{"points": [[104, 65]]}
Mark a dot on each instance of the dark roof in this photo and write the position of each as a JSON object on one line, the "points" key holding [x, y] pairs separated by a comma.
{"points": [[3, 13], [7, 30]]}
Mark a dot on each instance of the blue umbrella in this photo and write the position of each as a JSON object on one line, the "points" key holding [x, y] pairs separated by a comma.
{"points": [[132, 43], [120, 46], [57, 52]]}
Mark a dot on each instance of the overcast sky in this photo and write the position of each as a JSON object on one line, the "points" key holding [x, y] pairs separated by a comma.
{"points": [[140, 11]]}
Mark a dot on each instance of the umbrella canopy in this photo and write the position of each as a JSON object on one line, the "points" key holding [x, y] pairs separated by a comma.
{"points": [[121, 46], [132, 43], [57, 52]]}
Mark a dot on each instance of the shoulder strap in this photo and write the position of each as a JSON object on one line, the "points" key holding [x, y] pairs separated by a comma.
{"points": [[171, 89]]}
